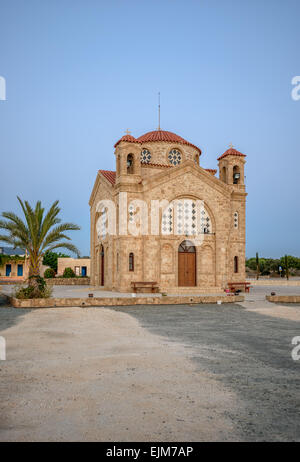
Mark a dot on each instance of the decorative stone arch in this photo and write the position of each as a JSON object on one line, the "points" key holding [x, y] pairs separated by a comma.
{"points": [[207, 259], [167, 258]]}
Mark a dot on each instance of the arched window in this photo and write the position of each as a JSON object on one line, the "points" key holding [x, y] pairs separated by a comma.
{"points": [[224, 174], [183, 217], [130, 163], [117, 262], [118, 165], [196, 159], [131, 261], [187, 247], [236, 264], [236, 175]]}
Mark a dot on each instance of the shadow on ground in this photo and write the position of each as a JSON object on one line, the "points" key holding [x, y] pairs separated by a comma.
{"points": [[248, 352], [10, 316]]}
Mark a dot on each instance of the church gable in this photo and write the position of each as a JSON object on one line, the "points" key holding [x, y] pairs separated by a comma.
{"points": [[187, 178]]}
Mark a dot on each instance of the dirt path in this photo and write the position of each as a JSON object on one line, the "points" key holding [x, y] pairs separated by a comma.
{"points": [[96, 374]]}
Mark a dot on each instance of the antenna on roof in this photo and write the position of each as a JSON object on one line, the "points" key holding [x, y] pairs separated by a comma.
{"points": [[158, 111]]}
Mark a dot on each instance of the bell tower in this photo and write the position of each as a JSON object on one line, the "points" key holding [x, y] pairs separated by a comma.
{"points": [[231, 167], [128, 162]]}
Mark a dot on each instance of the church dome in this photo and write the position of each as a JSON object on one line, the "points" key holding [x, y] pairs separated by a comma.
{"points": [[231, 152], [163, 135], [128, 138]]}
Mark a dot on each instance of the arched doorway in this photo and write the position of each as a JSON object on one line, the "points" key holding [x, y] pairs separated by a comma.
{"points": [[101, 265], [186, 264]]}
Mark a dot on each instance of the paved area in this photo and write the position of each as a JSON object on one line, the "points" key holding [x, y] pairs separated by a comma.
{"points": [[172, 373], [256, 293], [248, 353]]}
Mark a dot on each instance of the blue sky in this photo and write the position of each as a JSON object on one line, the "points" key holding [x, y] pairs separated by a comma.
{"points": [[79, 72]]}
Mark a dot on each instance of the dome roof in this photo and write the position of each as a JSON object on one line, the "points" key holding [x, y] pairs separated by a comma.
{"points": [[231, 152], [127, 138], [163, 135]]}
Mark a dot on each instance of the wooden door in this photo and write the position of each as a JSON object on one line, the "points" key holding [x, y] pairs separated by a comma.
{"points": [[186, 269]]}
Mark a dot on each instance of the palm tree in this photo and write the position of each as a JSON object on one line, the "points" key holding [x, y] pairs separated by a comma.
{"points": [[38, 233]]}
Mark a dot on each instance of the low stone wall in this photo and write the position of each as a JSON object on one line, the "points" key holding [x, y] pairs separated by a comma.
{"points": [[122, 301], [274, 282], [283, 298], [68, 281]]}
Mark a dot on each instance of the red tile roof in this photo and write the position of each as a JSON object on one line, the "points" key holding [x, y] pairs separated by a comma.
{"points": [[211, 170], [109, 175], [231, 152], [157, 135], [127, 138], [149, 164], [163, 135]]}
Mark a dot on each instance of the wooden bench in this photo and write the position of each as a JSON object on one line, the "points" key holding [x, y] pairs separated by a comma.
{"points": [[233, 286], [139, 285]]}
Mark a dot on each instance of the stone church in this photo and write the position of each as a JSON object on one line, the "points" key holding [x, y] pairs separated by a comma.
{"points": [[192, 249]]}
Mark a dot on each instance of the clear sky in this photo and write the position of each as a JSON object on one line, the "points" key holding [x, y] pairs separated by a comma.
{"points": [[80, 72]]}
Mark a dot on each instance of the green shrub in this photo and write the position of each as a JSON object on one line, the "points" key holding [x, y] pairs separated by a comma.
{"points": [[69, 273], [49, 273], [37, 288]]}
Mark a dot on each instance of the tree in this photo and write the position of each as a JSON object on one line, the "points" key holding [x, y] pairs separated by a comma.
{"points": [[50, 259], [286, 266], [37, 234], [257, 266]]}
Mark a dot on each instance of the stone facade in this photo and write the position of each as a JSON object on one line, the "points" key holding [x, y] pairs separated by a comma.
{"points": [[162, 166], [80, 266]]}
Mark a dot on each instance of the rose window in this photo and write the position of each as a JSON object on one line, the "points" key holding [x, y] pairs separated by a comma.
{"points": [[145, 156], [174, 157]]}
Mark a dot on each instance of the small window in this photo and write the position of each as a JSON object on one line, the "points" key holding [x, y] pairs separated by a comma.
{"points": [[131, 262], [236, 220], [236, 264], [224, 174], [77, 270], [130, 163]]}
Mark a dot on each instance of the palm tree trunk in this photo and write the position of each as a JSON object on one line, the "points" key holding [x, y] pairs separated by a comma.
{"points": [[34, 265]]}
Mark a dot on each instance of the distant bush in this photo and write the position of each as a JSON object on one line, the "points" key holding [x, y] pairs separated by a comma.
{"points": [[49, 273], [69, 273]]}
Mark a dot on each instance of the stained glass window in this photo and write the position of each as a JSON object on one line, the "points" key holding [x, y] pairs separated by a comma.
{"points": [[145, 156], [174, 157]]}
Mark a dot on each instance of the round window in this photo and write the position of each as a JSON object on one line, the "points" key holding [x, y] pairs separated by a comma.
{"points": [[174, 157], [145, 156]]}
